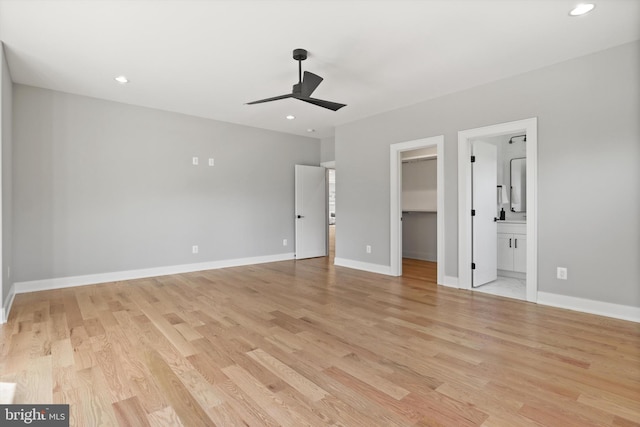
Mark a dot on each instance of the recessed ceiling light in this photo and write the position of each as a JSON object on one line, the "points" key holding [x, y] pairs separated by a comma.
{"points": [[311, 130], [290, 117], [582, 9], [122, 79]]}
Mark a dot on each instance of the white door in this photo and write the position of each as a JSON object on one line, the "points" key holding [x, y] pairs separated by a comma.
{"points": [[520, 253], [311, 212], [484, 181]]}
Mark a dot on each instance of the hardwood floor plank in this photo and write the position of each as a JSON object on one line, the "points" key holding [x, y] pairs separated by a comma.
{"points": [[265, 398], [35, 384], [129, 412], [245, 407], [306, 343], [165, 417], [290, 376], [183, 403], [169, 332]]}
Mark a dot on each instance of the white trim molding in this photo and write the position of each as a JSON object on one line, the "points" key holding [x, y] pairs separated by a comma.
{"points": [[94, 279], [364, 266], [329, 165], [4, 310], [530, 127], [617, 311], [450, 282], [395, 202], [421, 255]]}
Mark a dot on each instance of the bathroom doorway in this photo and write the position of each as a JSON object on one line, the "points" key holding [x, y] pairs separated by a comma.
{"points": [[499, 215], [519, 227]]}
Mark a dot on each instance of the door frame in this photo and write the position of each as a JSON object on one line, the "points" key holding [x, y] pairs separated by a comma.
{"points": [[328, 165], [530, 127], [395, 228]]}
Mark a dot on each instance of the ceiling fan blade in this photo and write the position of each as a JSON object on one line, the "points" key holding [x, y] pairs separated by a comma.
{"points": [[321, 103], [310, 82], [275, 98]]}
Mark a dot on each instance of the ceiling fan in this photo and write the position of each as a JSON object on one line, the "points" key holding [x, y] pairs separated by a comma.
{"points": [[305, 87]]}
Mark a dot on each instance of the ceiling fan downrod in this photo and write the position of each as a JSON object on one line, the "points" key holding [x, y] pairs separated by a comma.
{"points": [[299, 55]]}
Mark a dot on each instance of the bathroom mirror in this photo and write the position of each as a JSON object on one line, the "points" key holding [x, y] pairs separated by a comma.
{"points": [[518, 173]]}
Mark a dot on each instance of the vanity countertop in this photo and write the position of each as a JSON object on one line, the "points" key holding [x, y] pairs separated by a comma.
{"points": [[510, 226], [511, 221]]}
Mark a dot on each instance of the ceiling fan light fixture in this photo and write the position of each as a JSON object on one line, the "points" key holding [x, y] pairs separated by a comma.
{"points": [[122, 80], [582, 9], [302, 90], [290, 117]]}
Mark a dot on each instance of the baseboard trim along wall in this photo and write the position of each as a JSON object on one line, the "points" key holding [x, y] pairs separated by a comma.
{"points": [[450, 282], [94, 279], [365, 266], [617, 311], [423, 256], [4, 311]]}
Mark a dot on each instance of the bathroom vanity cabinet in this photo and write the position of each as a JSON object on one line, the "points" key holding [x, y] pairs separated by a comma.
{"points": [[512, 246]]}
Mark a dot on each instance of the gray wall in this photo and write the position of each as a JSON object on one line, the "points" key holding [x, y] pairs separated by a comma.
{"points": [[327, 149], [420, 235], [588, 174], [6, 95], [104, 187]]}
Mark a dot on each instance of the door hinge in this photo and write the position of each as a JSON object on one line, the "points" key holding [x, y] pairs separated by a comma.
{"points": [[473, 159], [473, 265], [473, 212]]}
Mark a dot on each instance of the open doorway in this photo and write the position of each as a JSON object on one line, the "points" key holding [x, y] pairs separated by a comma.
{"points": [[419, 213], [331, 214], [436, 145], [499, 204], [513, 248], [330, 177]]}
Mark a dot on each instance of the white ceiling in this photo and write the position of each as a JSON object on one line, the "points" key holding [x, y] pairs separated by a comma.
{"points": [[208, 58]]}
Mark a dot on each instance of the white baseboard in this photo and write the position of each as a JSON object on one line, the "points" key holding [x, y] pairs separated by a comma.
{"points": [[450, 282], [365, 266], [512, 274], [617, 311], [423, 256], [93, 279], [4, 311]]}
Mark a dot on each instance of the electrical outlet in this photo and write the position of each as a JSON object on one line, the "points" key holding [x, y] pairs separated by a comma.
{"points": [[194, 160], [211, 162], [562, 273], [194, 249], [284, 242], [368, 248]]}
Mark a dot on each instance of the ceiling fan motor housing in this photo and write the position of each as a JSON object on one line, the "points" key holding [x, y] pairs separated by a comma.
{"points": [[299, 54]]}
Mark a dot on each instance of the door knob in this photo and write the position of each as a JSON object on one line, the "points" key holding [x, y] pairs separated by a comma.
{"points": [[300, 216]]}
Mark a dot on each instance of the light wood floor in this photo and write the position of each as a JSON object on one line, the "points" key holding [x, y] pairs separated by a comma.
{"points": [[304, 343]]}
